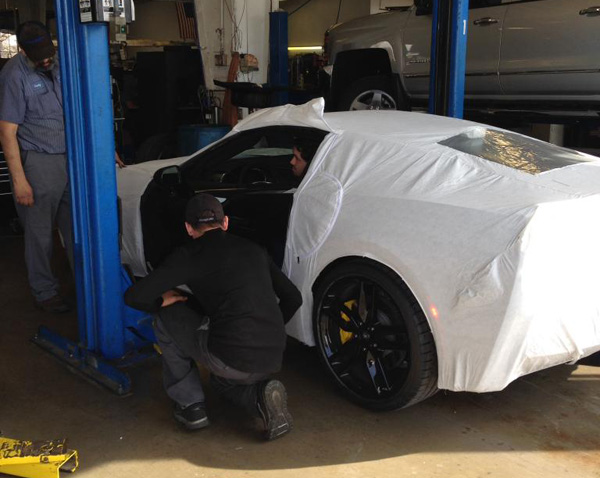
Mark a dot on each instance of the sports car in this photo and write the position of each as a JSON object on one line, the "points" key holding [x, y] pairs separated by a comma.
{"points": [[431, 253]]}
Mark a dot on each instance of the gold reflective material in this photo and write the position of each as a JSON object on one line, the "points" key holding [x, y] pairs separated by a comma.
{"points": [[515, 151]]}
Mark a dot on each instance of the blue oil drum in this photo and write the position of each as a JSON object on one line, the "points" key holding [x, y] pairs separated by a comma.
{"points": [[192, 137]]}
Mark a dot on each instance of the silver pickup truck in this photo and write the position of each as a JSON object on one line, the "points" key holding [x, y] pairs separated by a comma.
{"points": [[522, 55]]}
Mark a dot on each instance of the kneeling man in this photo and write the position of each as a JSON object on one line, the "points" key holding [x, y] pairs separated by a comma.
{"points": [[234, 324]]}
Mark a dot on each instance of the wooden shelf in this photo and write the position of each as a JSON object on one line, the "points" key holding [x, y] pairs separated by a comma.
{"points": [[143, 43]]}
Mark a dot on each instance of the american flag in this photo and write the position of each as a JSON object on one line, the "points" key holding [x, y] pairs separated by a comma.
{"points": [[187, 21]]}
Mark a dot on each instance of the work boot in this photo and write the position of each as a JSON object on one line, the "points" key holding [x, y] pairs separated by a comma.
{"points": [[272, 408], [193, 417], [55, 304]]}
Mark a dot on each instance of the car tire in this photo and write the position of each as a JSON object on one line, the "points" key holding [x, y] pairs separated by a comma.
{"points": [[370, 93], [373, 338]]}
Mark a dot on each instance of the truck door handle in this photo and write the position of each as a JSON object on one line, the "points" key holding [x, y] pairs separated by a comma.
{"points": [[485, 21], [592, 11]]}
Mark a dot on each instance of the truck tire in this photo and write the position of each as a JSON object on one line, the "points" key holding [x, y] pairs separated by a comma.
{"points": [[370, 93]]}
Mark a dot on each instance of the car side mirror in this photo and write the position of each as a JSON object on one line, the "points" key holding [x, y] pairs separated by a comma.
{"points": [[424, 7], [168, 176]]}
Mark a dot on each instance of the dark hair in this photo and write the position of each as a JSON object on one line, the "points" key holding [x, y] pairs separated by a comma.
{"points": [[307, 147]]}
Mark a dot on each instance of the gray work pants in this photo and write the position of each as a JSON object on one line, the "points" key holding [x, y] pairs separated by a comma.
{"points": [[182, 335], [48, 176]]}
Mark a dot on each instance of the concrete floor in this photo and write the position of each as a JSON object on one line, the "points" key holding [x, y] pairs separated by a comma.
{"points": [[543, 425]]}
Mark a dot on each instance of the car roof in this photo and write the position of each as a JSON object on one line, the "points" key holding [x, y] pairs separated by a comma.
{"points": [[396, 126], [401, 126]]}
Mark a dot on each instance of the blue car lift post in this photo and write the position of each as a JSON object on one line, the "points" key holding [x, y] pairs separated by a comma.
{"points": [[448, 57], [110, 334], [278, 57]]}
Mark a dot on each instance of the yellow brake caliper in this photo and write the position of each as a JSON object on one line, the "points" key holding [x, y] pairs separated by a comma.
{"points": [[345, 336]]}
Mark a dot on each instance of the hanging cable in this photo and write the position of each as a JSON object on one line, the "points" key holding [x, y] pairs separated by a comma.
{"points": [[236, 41], [337, 19], [249, 74], [294, 11], [240, 38]]}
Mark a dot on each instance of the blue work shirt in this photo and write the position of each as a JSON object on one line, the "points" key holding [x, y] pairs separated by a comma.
{"points": [[32, 100]]}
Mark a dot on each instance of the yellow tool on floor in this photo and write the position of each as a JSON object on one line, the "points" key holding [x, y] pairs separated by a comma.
{"points": [[36, 459]]}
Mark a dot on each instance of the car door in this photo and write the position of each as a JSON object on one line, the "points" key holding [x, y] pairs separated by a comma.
{"points": [[551, 47], [483, 50], [249, 172]]}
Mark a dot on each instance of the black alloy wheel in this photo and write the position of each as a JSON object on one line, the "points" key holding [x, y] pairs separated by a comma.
{"points": [[373, 338]]}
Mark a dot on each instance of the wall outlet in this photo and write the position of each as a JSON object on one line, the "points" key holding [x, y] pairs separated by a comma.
{"points": [[220, 59]]}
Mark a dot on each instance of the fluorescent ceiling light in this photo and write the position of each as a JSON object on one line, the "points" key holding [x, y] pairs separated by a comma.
{"points": [[304, 48]]}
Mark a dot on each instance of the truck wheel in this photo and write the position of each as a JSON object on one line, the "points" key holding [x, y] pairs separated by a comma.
{"points": [[373, 337], [370, 93]]}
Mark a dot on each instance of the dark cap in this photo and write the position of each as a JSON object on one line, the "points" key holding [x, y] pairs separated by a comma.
{"points": [[204, 209], [35, 40]]}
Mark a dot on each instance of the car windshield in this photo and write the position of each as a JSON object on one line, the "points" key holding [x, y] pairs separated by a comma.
{"points": [[261, 152], [515, 151], [254, 159]]}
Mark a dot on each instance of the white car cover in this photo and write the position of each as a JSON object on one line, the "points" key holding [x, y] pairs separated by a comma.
{"points": [[505, 264], [132, 181]]}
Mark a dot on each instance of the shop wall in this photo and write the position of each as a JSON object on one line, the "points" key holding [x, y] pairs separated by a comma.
{"points": [[155, 21], [307, 26]]}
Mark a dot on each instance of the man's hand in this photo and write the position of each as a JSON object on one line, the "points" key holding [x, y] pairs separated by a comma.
{"points": [[23, 192], [171, 297], [119, 161]]}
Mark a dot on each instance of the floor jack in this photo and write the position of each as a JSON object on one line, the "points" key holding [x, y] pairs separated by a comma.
{"points": [[36, 459]]}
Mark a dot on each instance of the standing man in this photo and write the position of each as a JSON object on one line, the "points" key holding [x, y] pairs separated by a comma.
{"points": [[32, 133], [233, 323]]}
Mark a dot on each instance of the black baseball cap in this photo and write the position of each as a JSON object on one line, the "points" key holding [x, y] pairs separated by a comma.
{"points": [[35, 40], [204, 208]]}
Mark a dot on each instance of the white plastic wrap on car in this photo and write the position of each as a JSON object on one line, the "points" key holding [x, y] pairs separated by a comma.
{"points": [[504, 264]]}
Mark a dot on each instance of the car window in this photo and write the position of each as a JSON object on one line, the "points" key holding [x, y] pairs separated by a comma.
{"points": [[514, 150], [255, 166], [505, 2], [257, 152], [484, 3], [425, 7], [251, 159]]}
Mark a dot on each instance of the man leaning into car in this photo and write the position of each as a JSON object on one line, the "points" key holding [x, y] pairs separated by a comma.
{"points": [[232, 324], [304, 151]]}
